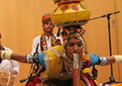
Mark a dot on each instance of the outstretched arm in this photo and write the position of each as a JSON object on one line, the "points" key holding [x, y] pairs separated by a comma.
{"points": [[38, 58], [101, 60], [14, 56], [19, 57], [110, 60]]}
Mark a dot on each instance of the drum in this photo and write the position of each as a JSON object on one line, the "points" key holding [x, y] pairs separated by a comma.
{"points": [[7, 78]]}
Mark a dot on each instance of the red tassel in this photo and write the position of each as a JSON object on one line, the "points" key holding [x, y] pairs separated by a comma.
{"points": [[35, 81]]}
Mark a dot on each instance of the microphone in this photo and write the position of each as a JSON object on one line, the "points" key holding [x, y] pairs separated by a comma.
{"points": [[106, 15], [110, 14]]}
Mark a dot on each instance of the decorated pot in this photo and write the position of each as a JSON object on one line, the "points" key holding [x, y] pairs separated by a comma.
{"points": [[70, 12]]}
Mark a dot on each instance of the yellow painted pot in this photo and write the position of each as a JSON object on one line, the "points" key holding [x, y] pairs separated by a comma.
{"points": [[70, 13]]}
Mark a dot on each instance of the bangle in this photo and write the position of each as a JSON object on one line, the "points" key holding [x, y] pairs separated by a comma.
{"points": [[118, 58], [6, 54], [29, 59], [103, 60]]}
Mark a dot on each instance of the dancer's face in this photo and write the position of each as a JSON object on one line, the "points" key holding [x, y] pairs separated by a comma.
{"points": [[74, 45]]}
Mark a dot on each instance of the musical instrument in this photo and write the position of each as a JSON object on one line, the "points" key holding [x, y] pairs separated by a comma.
{"points": [[7, 78]]}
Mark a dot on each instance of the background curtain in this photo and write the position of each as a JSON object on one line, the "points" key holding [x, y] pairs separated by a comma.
{"points": [[20, 22]]}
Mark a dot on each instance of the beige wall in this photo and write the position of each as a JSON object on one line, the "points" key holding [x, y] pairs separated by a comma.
{"points": [[119, 33], [97, 35], [20, 22]]}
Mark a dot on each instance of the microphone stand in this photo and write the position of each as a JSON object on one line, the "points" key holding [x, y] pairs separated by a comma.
{"points": [[112, 80], [110, 48]]}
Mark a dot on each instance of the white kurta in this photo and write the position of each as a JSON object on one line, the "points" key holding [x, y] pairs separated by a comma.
{"points": [[36, 40], [9, 65]]}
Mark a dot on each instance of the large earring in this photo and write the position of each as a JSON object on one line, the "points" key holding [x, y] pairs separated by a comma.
{"points": [[83, 52]]}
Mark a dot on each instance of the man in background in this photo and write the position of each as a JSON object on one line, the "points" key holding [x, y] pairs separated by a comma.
{"points": [[43, 41], [47, 38]]}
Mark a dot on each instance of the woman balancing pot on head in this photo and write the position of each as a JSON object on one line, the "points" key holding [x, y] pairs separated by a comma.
{"points": [[64, 65], [70, 13]]}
